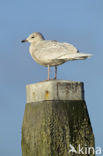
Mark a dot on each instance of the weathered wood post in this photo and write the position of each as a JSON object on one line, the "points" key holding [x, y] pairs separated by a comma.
{"points": [[56, 120]]}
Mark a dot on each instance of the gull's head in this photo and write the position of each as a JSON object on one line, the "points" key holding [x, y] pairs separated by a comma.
{"points": [[34, 37]]}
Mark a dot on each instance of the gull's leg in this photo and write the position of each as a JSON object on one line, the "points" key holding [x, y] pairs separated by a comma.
{"points": [[55, 73], [48, 72]]}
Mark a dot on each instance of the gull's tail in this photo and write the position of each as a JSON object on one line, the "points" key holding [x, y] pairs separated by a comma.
{"points": [[76, 56]]}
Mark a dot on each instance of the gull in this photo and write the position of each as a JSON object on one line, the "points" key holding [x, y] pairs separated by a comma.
{"points": [[52, 53]]}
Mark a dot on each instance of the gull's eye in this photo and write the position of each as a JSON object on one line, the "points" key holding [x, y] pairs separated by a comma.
{"points": [[32, 37]]}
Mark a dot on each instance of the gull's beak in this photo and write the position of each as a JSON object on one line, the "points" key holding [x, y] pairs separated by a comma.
{"points": [[24, 41]]}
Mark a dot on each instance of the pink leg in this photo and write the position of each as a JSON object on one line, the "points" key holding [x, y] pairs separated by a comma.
{"points": [[48, 72]]}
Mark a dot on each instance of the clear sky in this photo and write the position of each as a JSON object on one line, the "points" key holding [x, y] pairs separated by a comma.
{"points": [[79, 22]]}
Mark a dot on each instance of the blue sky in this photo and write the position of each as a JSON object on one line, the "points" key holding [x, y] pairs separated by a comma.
{"points": [[79, 22]]}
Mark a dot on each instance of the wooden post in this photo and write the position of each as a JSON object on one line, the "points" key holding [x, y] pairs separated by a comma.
{"points": [[56, 120]]}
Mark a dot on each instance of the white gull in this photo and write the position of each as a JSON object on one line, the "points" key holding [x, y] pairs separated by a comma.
{"points": [[52, 53]]}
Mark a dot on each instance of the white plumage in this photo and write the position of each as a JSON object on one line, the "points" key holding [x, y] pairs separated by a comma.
{"points": [[52, 53]]}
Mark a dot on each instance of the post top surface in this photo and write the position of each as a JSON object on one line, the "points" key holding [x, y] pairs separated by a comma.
{"points": [[55, 81], [54, 90]]}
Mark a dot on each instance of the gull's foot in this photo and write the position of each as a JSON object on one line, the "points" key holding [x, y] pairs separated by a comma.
{"points": [[48, 80], [54, 78], [51, 79]]}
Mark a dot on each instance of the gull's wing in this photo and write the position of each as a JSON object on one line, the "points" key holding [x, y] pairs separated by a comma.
{"points": [[55, 53], [76, 56], [52, 49]]}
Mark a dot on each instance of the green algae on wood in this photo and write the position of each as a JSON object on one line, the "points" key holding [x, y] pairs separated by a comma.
{"points": [[49, 127]]}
